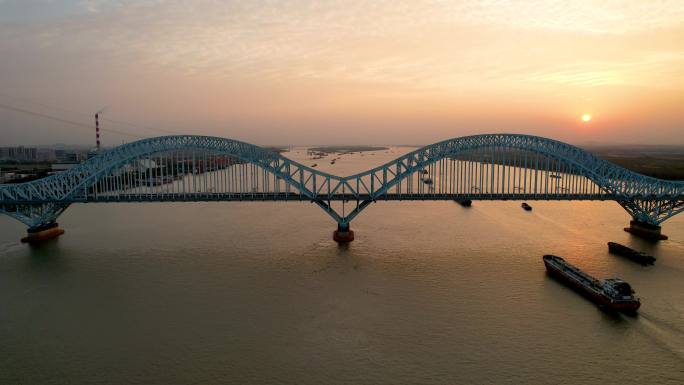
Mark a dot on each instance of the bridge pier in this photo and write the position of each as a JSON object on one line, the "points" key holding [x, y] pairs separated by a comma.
{"points": [[42, 233], [645, 230], [343, 234]]}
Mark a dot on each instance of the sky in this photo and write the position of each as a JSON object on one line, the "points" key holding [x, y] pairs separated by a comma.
{"points": [[341, 72]]}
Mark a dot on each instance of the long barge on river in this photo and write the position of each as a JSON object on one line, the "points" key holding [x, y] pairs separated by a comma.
{"points": [[611, 293], [628, 252]]}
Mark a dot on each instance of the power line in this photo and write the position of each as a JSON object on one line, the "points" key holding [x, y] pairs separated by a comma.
{"points": [[51, 106], [58, 119], [119, 122]]}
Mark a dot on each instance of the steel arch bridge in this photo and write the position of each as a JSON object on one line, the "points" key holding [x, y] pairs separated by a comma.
{"points": [[479, 167]]}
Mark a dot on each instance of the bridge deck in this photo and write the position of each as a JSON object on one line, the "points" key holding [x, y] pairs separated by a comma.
{"points": [[481, 167], [214, 197]]}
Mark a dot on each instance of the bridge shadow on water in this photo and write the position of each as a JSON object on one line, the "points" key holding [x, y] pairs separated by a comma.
{"points": [[343, 248], [45, 254]]}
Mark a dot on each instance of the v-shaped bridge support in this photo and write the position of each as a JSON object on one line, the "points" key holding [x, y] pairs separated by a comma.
{"points": [[648, 215]]}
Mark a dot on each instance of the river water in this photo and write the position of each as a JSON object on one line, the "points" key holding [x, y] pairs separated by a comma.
{"points": [[258, 293]]}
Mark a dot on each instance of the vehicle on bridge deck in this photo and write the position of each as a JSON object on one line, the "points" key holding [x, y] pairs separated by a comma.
{"points": [[611, 294]]}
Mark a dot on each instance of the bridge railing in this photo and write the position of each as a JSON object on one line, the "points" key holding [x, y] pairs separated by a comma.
{"points": [[191, 168]]}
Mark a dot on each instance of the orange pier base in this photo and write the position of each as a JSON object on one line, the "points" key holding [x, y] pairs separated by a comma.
{"points": [[343, 235], [646, 231], [43, 233]]}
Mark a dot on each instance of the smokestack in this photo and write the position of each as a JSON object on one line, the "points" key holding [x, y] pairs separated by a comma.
{"points": [[97, 130]]}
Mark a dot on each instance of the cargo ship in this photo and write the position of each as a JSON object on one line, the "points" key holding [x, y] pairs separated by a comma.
{"points": [[634, 255], [612, 293]]}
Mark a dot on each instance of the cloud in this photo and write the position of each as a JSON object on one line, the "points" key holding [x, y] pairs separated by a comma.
{"points": [[426, 43], [653, 69], [446, 50]]}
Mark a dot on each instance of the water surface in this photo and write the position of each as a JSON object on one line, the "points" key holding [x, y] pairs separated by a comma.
{"points": [[258, 293]]}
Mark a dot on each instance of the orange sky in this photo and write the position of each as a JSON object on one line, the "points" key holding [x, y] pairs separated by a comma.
{"points": [[300, 72]]}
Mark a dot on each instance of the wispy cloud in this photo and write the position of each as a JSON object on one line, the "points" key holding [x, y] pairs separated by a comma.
{"points": [[495, 48], [654, 69]]}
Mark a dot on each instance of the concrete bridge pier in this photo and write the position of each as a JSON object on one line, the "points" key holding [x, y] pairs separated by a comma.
{"points": [[42, 233], [645, 230], [343, 234]]}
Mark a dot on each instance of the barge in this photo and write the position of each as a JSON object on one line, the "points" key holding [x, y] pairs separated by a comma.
{"points": [[628, 252], [464, 202], [612, 293]]}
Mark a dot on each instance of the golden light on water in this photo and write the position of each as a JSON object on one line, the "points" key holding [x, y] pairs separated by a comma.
{"points": [[586, 117]]}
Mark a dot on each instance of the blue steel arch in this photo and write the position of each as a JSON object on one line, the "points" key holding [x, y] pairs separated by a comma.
{"points": [[647, 199], [616, 180], [49, 196]]}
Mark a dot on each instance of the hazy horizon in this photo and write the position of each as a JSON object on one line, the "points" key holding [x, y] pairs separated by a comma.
{"points": [[340, 73]]}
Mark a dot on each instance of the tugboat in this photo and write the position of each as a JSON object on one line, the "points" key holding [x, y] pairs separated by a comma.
{"points": [[634, 255], [612, 293], [525, 206]]}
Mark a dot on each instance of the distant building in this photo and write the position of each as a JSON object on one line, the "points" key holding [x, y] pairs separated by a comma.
{"points": [[19, 154], [70, 156], [46, 155], [142, 165]]}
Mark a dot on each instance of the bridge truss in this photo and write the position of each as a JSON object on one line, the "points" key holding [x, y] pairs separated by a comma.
{"points": [[480, 167]]}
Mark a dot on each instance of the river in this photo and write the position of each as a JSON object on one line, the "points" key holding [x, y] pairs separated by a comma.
{"points": [[258, 293]]}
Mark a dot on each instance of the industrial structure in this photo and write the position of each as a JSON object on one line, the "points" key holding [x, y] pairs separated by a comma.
{"points": [[480, 167]]}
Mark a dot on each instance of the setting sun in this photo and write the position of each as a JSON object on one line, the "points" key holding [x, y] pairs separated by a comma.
{"points": [[586, 117]]}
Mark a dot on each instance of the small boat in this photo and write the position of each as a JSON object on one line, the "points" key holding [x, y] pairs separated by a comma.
{"points": [[525, 206], [332, 161], [612, 293], [314, 165], [464, 202], [634, 255]]}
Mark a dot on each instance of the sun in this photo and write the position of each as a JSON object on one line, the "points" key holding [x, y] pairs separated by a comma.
{"points": [[586, 117]]}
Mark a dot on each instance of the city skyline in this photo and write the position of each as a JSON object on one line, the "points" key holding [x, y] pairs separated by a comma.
{"points": [[343, 73]]}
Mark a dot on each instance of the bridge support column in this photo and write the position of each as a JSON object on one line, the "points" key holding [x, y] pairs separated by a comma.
{"points": [[645, 230], [42, 233], [343, 234]]}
